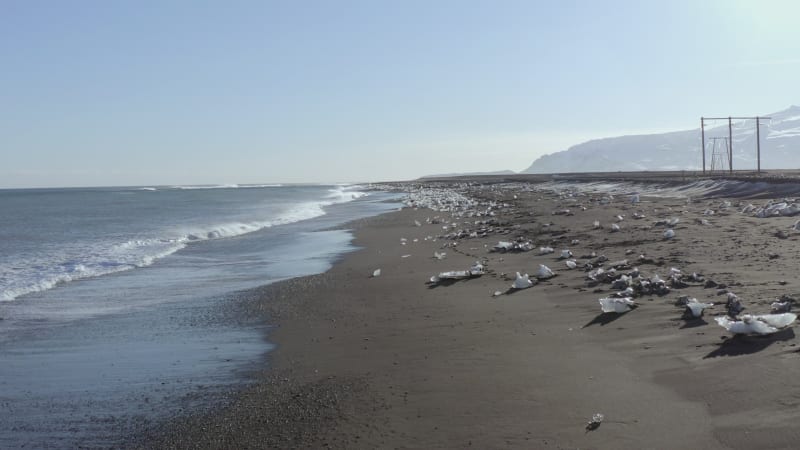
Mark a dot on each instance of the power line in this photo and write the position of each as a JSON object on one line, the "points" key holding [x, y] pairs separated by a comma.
{"points": [[730, 138]]}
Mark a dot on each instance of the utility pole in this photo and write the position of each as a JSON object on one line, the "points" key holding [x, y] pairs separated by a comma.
{"points": [[758, 143], [730, 145], [703, 142]]}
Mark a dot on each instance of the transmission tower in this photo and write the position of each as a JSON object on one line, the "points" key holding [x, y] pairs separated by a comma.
{"points": [[720, 154]]}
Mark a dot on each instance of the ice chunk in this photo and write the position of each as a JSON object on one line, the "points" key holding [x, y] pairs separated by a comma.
{"points": [[616, 305], [778, 320], [696, 308], [522, 282], [753, 324], [544, 272]]}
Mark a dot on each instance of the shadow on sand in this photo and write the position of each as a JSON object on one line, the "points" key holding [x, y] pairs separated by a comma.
{"points": [[448, 282], [747, 345], [605, 318], [693, 322], [513, 290]]}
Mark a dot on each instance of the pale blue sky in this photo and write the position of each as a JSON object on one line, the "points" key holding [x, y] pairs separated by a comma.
{"points": [[179, 92]]}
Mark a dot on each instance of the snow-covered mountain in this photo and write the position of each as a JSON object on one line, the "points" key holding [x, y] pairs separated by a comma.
{"points": [[680, 150], [468, 174]]}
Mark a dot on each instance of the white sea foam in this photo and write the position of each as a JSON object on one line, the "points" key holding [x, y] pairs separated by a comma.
{"points": [[224, 186]]}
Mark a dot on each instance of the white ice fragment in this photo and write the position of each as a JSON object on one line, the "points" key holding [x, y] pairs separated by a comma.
{"points": [[655, 279], [596, 224], [565, 254], [522, 282], [439, 255], [416, 222], [778, 320], [571, 263], [476, 269], [376, 273], [545, 250], [614, 227], [696, 308], [616, 305], [753, 324], [669, 234], [503, 246], [780, 307], [544, 272], [635, 198], [619, 218]]}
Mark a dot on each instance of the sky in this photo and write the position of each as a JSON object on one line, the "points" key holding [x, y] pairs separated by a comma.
{"points": [[111, 93]]}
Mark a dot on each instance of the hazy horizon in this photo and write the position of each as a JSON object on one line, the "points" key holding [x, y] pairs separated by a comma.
{"points": [[251, 92]]}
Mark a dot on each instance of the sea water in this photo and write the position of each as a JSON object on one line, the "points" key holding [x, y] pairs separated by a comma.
{"points": [[113, 300]]}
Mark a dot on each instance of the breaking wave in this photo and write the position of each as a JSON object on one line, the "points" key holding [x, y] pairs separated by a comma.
{"points": [[51, 268]]}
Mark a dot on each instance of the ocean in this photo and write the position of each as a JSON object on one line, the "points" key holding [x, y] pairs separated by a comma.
{"points": [[113, 299]]}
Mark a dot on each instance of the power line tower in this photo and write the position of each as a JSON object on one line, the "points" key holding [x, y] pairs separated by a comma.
{"points": [[730, 139], [720, 154]]}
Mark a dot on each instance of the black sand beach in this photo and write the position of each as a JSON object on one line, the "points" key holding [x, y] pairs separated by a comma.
{"points": [[395, 362]]}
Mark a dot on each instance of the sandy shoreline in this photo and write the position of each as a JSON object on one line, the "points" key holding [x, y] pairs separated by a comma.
{"points": [[391, 362]]}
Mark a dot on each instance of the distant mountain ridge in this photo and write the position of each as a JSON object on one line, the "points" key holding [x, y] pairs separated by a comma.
{"points": [[470, 174], [680, 150]]}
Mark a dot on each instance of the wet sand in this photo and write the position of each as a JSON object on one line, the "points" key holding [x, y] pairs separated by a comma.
{"points": [[395, 362]]}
